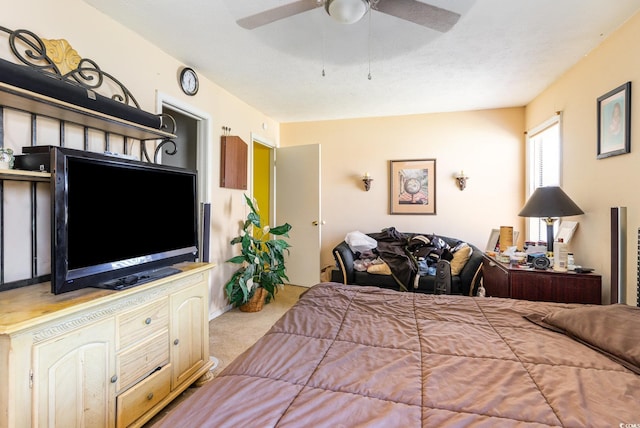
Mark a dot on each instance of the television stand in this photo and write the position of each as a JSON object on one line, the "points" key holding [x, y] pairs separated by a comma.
{"points": [[102, 358], [136, 279]]}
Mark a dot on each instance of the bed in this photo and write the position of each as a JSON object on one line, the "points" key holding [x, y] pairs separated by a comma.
{"points": [[365, 356]]}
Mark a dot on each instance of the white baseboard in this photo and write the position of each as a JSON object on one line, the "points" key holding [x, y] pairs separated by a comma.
{"points": [[219, 312]]}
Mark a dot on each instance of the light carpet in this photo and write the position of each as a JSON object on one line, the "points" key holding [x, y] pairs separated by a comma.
{"points": [[235, 331]]}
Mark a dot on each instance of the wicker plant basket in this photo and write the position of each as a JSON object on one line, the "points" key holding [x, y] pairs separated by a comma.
{"points": [[256, 302]]}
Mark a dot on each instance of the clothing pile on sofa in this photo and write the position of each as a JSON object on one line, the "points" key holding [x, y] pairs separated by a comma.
{"points": [[405, 256]]}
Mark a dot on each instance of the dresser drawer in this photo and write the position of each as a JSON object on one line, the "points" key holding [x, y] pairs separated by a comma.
{"points": [[143, 322], [143, 396], [138, 361]]}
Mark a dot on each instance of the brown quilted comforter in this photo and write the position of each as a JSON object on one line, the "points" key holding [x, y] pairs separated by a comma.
{"points": [[347, 356]]}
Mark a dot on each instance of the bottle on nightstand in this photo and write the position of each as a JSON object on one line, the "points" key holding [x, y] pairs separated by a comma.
{"points": [[560, 256], [571, 263]]}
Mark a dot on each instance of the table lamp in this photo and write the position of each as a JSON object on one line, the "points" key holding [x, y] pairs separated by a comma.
{"points": [[549, 202]]}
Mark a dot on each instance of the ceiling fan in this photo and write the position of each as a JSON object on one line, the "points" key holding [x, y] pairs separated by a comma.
{"points": [[350, 11]]}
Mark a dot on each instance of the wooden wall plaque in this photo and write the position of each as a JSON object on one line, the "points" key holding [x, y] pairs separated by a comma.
{"points": [[233, 162]]}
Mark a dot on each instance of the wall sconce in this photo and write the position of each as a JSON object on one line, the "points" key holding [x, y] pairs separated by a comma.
{"points": [[461, 179], [366, 179]]}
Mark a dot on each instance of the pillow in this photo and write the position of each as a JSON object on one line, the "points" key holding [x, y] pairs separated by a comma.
{"points": [[611, 329], [460, 258], [459, 244], [379, 269]]}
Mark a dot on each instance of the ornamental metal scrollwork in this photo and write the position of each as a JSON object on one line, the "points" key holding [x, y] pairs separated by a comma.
{"points": [[58, 59], [169, 125]]}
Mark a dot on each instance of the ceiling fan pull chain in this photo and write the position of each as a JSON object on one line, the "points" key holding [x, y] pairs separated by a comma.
{"points": [[369, 42], [324, 27]]}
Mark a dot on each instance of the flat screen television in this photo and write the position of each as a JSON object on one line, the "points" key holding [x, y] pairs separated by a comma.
{"points": [[117, 222]]}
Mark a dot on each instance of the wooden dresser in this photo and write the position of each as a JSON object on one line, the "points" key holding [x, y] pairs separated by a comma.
{"points": [[102, 358], [502, 280]]}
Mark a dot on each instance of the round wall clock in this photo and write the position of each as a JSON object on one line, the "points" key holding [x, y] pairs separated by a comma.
{"points": [[541, 262], [189, 81]]}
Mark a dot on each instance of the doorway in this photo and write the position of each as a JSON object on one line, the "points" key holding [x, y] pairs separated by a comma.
{"points": [[186, 153], [285, 183], [193, 130], [262, 183]]}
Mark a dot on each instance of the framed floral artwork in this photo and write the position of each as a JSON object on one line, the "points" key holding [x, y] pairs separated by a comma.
{"points": [[614, 124], [413, 186]]}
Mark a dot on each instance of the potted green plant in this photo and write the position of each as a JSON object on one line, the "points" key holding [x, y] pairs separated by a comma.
{"points": [[262, 260]]}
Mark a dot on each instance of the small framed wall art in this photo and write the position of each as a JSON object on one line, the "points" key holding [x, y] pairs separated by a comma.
{"points": [[614, 124], [413, 186]]}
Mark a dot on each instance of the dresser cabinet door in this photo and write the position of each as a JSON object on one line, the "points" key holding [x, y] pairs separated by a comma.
{"points": [[537, 286], [189, 332], [495, 279], [549, 286], [73, 383]]}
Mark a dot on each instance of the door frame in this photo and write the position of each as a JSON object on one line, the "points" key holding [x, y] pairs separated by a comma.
{"points": [[255, 138]]}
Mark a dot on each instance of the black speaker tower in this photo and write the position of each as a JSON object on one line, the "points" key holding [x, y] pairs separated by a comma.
{"points": [[618, 254], [206, 231]]}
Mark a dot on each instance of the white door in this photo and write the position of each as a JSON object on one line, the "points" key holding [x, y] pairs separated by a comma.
{"points": [[298, 203]]}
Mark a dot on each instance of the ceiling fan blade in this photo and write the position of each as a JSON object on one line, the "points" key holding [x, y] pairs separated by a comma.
{"points": [[419, 13], [277, 13]]}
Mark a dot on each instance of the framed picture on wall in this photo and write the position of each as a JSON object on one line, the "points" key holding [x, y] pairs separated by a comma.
{"points": [[614, 124], [413, 186]]}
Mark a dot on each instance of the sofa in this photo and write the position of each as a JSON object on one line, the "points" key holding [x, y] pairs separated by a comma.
{"points": [[415, 262]]}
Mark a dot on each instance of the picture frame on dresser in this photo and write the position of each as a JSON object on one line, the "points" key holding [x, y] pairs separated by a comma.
{"points": [[566, 230], [494, 239], [412, 187], [614, 122]]}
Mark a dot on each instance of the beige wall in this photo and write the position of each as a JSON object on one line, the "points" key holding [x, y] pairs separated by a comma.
{"points": [[597, 185], [488, 145], [145, 70]]}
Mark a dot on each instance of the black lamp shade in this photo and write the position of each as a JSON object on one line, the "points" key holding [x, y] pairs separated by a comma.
{"points": [[550, 201]]}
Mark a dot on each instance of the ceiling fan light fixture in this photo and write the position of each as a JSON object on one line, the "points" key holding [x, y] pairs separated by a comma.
{"points": [[347, 11]]}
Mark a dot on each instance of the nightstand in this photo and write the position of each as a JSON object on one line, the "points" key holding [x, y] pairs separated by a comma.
{"points": [[503, 280]]}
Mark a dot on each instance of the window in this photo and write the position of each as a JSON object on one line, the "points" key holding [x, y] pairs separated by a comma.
{"points": [[544, 161]]}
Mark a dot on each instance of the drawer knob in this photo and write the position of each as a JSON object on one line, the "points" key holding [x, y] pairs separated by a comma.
{"points": [[492, 264], [175, 342], [114, 378], [147, 321], [150, 396]]}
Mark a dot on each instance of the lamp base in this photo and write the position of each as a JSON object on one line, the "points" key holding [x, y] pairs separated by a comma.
{"points": [[549, 222]]}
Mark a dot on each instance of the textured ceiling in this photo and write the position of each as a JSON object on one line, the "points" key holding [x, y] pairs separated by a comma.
{"points": [[501, 53]]}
